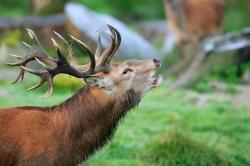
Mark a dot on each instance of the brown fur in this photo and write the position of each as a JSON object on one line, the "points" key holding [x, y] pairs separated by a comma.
{"points": [[201, 18], [61, 135]]}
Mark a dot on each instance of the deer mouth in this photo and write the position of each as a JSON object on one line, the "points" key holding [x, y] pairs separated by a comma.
{"points": [[155, 80]]}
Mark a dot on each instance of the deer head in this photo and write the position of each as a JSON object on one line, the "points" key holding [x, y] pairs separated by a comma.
{"points": [[115, 80]]}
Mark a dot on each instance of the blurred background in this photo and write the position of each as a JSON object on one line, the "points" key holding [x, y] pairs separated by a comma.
{"points": [[201, 113]]}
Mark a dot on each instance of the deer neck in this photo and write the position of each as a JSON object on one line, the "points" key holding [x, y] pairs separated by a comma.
{"points": [[94, 104], [90, 118]]}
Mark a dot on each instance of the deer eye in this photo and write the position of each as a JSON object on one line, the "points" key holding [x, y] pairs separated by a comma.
{"points": [[125, 71]]}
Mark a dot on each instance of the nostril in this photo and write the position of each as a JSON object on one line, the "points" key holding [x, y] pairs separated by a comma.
{"points": [[157, 62]]}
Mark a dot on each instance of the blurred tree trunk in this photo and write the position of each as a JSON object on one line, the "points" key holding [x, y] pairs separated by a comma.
{"points": [[192, 70], [198, 62], [7, 23]]}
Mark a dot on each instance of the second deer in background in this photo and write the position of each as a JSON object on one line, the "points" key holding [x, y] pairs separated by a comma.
{"points": [[193, 20]]}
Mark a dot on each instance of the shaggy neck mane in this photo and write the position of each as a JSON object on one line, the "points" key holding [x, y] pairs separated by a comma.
{"points": [[94, 101], [89, 119]]}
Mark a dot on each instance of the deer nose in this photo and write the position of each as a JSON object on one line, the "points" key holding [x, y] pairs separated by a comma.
{"points": [[157, 62]]}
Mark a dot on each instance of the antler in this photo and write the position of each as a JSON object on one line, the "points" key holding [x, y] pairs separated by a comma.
{"points": [[102, 59], [98, 61]]}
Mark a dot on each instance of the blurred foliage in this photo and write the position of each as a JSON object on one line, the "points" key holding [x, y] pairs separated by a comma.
{"points": [[128, 9], [70, 82], [18, 7], [10, 38], [218, 73], [237, 15], [229, 75], [223, 72]]}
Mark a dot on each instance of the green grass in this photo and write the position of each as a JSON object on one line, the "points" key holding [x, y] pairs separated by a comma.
{"points": [[178, 149], [167, 128]]}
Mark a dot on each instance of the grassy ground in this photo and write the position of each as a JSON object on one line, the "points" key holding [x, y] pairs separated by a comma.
{"points": [[167, 128]]}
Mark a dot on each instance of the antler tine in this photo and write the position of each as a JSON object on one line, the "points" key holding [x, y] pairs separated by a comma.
{"points": [[37, 43], [25, 61], [42, 56], [69, 48], [40, 83], [36, 72], [22, 62], [43, 64], [27, 45], [19, 76], [117, 35], [16, 56], [99, 45], [22, 71], [89, 52], [107, 52], [50, 89], [45, 76]]}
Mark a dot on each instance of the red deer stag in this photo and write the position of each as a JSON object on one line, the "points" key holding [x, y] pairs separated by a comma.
{"points": [[192, 20], [68, 133]]}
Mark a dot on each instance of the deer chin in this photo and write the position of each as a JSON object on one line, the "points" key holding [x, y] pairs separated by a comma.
{"points": [[155, 81]]}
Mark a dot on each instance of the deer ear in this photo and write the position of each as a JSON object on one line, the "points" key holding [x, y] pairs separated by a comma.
{"points": [[100, 82]]}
